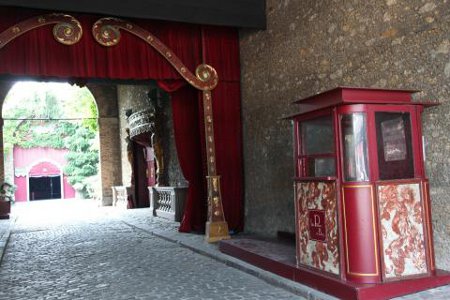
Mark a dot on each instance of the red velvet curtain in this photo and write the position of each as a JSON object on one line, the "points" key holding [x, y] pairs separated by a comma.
{"points": [[221, 50], [37, 54], [187, 129]]}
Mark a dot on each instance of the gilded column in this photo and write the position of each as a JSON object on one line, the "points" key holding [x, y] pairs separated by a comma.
{"points": [[216, 226], [106, 32]]}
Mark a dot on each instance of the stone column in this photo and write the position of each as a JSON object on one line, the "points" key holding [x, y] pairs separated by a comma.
{"points": [[5, 86], [2, 158], [108, 125], [110, 171]]}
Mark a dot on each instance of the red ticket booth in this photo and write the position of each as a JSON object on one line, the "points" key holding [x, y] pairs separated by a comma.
{"points": [[362, 202]]}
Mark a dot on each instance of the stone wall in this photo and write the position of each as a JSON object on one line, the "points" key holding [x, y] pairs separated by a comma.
{"points": [[109, 157], [173, 170], [129, 97], [312, 46], [108, 124], [135, 97]]}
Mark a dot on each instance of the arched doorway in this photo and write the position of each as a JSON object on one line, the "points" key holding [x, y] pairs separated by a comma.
{"points": [[51, 142], [45, 181]]}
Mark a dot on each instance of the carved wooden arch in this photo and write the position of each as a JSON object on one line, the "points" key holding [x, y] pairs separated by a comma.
{"points": [[106, 32], [67, 30]]}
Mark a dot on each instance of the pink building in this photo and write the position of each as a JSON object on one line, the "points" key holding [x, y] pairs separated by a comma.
{"points": [[38, 174]]}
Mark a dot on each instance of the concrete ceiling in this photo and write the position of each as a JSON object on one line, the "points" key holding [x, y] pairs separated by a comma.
{"points": [[235, 13]]}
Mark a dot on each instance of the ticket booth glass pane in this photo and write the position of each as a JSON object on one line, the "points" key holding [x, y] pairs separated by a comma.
{"points": [[395, 157], [320, 167], [354, 134], [318, 136], [317, 153]]}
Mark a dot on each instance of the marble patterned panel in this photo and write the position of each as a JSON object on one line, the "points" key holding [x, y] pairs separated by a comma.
{"points": [[401, 218], [313, 197]]}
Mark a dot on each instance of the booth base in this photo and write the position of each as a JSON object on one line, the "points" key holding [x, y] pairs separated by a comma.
{"points": [[279, 258]]}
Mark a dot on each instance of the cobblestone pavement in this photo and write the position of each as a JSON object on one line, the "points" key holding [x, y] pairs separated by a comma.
{"points": [[92, 254], [86, 252]]}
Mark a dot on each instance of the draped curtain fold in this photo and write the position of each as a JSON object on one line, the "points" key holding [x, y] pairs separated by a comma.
{"points": [[37, 54], [221, 50], [185, 108]]}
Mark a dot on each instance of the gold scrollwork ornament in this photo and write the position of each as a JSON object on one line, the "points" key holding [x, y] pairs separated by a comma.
{"points": [[208, 75], [106, 34], [68, 33]]}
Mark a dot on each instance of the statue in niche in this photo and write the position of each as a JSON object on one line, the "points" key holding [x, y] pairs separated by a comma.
{"points": [[130, 156], [156, 137], [130, 149]]}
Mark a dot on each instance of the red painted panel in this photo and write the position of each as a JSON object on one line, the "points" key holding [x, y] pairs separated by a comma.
{"points": [[360, 238], [69, 191], [39, 162], [363, 95], [21, 191], [44, 169], [403, 248], [26, 157], [317, 197]]}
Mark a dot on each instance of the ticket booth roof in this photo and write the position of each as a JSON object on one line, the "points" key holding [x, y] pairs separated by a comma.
{"points": [[357, 95]]}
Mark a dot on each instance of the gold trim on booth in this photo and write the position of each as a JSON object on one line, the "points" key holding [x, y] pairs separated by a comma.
{"points": [[373, 230], [428, 224]]}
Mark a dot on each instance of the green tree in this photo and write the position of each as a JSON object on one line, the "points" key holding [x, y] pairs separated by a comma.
{"points": [[38, 124], [82, 159]]}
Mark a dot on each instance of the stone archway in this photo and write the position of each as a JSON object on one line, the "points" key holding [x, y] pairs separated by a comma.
{"points": [[105, 96]]}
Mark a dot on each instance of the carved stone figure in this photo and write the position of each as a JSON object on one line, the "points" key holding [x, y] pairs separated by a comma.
{"points": [[156, 138], [130, 153], [145, 129]]}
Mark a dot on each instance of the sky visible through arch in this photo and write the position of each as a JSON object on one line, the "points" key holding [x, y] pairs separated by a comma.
{"points": [[73, 100]]}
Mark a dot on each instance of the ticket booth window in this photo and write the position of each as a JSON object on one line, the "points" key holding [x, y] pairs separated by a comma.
{"points": [[395, 159], [317, 156], [354, 135]]}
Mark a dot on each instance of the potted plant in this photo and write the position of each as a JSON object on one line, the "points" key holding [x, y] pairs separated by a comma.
{"points": [[6, 197]]}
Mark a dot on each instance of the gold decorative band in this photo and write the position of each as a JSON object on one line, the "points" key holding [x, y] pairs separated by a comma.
{"points": [[67, 31], [106, 32]]}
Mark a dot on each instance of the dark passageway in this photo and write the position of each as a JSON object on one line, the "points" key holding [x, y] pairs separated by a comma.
{"points": [[48, 187]]}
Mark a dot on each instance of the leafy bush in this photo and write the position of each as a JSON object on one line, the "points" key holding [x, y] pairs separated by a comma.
{"points": [[40, 123]]}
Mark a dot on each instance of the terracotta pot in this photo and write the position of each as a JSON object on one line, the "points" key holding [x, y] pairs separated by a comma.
{"points": [[5, 209]]}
